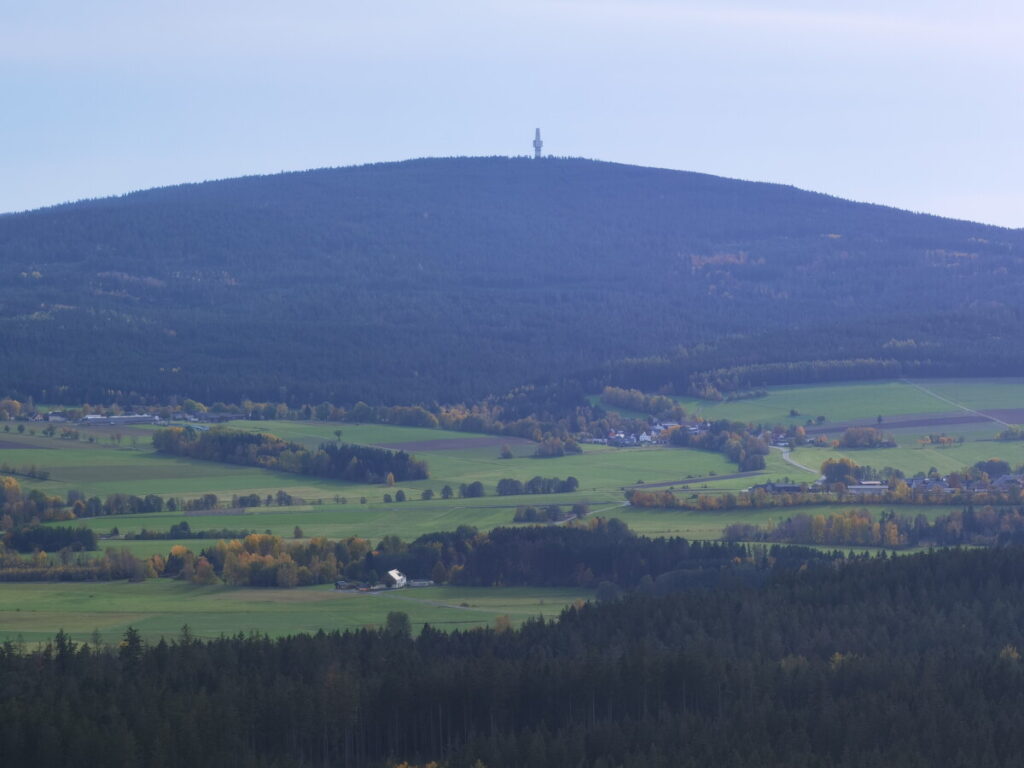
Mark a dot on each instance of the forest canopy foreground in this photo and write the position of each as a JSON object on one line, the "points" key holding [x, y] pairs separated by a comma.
{"points": [[904, 661]]}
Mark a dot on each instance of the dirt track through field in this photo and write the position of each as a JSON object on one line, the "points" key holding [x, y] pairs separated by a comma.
{"points": [[1002, 416], [955, 404], [899, 422], [13, 446], [692, 480], [456, 444]]}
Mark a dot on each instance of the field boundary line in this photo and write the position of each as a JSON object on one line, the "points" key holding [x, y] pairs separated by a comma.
{"points": [[954, 403], [434, 603]]}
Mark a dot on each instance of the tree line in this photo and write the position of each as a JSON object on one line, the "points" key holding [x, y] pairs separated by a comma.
{"points": [[579, 554], [183, 530], [510, 487], [659, 406], [339, 461], [984, 525], [550, 513], [20, 508], [733, 439], [29, 538]]}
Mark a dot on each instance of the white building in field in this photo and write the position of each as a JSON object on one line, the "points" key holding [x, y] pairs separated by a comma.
{"points": [[396, 579]]}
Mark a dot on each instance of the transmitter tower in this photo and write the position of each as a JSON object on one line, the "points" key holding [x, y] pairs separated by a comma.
{"points": [[537, 144]]}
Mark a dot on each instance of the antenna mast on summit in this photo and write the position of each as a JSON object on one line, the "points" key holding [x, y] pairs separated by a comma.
{"points": [[537, 145]]}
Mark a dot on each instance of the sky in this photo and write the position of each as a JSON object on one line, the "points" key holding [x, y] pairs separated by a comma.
{"points": [[911, 103]]}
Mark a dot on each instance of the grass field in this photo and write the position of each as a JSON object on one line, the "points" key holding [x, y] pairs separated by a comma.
{"points": [[864, 400], [912, 459], [159, 608], [599, 468], [979, 393], [407, 520], [603, 472], [312, 433], [101, 469]]}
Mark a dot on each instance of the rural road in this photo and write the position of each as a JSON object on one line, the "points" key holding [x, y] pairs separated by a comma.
{"points": [[794, 462]]}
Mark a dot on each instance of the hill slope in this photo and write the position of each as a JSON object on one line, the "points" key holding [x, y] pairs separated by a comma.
{"points": [[448, 279]]}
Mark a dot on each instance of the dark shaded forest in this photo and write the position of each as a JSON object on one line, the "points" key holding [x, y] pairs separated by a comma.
{"points": [[909, 661], [343, 461], [446, 280]]}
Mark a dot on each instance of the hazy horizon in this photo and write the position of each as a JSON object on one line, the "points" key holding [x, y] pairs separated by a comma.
{"points": [[906, 104]]}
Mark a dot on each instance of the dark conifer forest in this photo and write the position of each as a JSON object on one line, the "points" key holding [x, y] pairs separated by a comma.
{"points": [[908, 661], [355, 463], [445, 280]]}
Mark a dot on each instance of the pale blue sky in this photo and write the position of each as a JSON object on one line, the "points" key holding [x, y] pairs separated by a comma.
{"points": [[908, 103]]}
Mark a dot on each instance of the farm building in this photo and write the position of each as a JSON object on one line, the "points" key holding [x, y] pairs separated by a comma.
{"points": [[395, 579]]}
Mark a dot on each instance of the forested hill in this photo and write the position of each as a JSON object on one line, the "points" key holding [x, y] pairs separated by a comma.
{"points": [[448, 279]]}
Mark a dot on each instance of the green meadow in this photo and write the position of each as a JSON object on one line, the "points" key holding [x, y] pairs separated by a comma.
{"points": [[864, 400], [100, 469], [979, 393], [599, 468], [454, 458], [34, 612], [912, 458], [131, 466], [407, 520], [603, 473], [159, 608]]}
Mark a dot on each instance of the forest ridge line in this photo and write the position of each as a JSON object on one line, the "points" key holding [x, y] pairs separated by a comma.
{"points": [[448, 280]]}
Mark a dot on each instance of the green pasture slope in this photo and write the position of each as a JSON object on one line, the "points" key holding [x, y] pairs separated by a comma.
{"points": [[911, 458], [35, 612], [102, 468], [923, 399], [407, 520], [864, 400], [454, 458], [939, 397], [979, 393], [414, 518], [599, 469]]}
